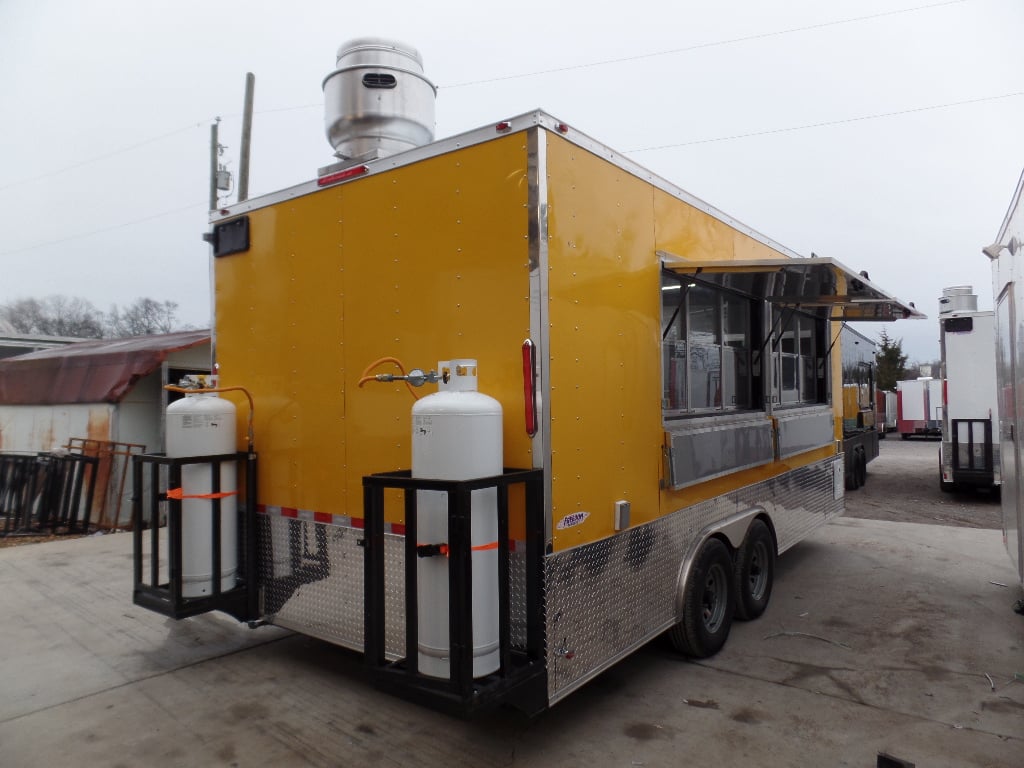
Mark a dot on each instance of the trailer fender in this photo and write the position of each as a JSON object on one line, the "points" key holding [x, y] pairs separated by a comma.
{"points": [[709, 602], [732, 530]]}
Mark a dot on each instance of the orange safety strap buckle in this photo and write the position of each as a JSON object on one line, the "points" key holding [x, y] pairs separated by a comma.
{"points": [[431, 550]]}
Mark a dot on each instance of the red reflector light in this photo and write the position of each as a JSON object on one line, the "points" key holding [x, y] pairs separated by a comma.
{"points": [[530, 386], [348, 173], [503, 126], [562, 128]]}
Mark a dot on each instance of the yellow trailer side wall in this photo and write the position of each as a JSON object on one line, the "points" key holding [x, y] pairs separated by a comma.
{"points": [[836, 377], [607, 435], [604, 324], [853, 396], [430, 261], [424, 262]]}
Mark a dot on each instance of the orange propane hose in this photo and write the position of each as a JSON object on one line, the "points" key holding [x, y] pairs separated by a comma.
{"points": [[394, 360]]}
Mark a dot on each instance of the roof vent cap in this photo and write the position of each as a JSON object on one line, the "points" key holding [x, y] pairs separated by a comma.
{"points": [[377, 102]]}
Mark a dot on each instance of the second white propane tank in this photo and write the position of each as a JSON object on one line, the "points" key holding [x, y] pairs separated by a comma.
{"points": [[457, 435], [204, 425]]}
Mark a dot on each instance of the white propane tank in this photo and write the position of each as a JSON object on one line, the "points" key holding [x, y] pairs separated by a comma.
{"points": [[203, 424], [456, 435]]}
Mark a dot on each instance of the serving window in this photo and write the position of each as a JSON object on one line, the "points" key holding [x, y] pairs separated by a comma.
{"points": [[799, 377], [706, 337]]}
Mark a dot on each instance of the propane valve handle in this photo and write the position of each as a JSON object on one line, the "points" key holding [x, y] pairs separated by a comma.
{"points": [[415, 377]]}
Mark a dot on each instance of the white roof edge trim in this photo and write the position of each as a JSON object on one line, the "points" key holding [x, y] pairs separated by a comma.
{"points": [[489, 132]]}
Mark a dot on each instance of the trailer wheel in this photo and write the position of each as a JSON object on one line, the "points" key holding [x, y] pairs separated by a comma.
{"points": [[861, 468], [850, 479], [853, 475], [708, 603], [754, 571]]}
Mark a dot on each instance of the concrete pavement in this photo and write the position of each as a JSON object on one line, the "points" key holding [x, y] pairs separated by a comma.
{"points": [[881, 637]]}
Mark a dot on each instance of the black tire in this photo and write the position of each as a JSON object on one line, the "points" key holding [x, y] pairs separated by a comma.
{"points": [[754, 572], [862, 469], [708, 603], [852, 476]]}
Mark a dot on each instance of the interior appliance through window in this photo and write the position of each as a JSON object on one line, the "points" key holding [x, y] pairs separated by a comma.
{"points": [[706, 347]]}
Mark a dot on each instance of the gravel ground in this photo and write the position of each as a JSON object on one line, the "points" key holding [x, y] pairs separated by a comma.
{"points": [[903, 486], [14, 541]]}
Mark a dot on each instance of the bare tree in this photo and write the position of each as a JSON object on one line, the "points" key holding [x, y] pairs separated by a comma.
{"points": [[78, 318], [23, 315], [54, 316], [142, 317]]}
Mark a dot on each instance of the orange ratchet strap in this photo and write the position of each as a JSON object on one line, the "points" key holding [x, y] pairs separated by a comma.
{"points": [[178, 493], [426, 550]]}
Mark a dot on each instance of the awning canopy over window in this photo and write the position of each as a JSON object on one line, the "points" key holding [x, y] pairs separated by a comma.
{"points": [[819, 285]]}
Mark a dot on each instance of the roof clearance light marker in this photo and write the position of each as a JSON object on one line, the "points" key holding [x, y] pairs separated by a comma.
{"points": [[503, 126], [348, 173], [562, 128]]}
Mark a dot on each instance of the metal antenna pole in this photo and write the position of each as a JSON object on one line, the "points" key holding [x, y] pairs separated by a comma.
{"points": [[214, 151], [243, 161]]}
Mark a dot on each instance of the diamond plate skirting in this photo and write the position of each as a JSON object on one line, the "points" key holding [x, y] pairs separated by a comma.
{"points": [[602, 600], [605, 599], [311, 581]]}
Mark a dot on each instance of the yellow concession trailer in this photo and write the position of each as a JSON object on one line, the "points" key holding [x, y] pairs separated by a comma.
{"points": [[665, 384]]}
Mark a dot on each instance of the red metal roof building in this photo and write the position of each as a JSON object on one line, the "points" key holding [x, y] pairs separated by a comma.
{"points": [[102, 397], [100, 371]]}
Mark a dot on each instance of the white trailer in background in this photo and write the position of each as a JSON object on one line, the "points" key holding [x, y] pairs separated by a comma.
{"points": [[1007, 255], [885, 411], [968, 457], [919, 407]]}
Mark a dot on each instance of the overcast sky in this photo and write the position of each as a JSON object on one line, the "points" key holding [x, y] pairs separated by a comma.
{"points": [[888, 134]]}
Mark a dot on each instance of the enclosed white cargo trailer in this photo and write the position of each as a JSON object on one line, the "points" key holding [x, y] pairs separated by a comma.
{"points": [[919, 407], [968, 456], [1007, 255]]}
